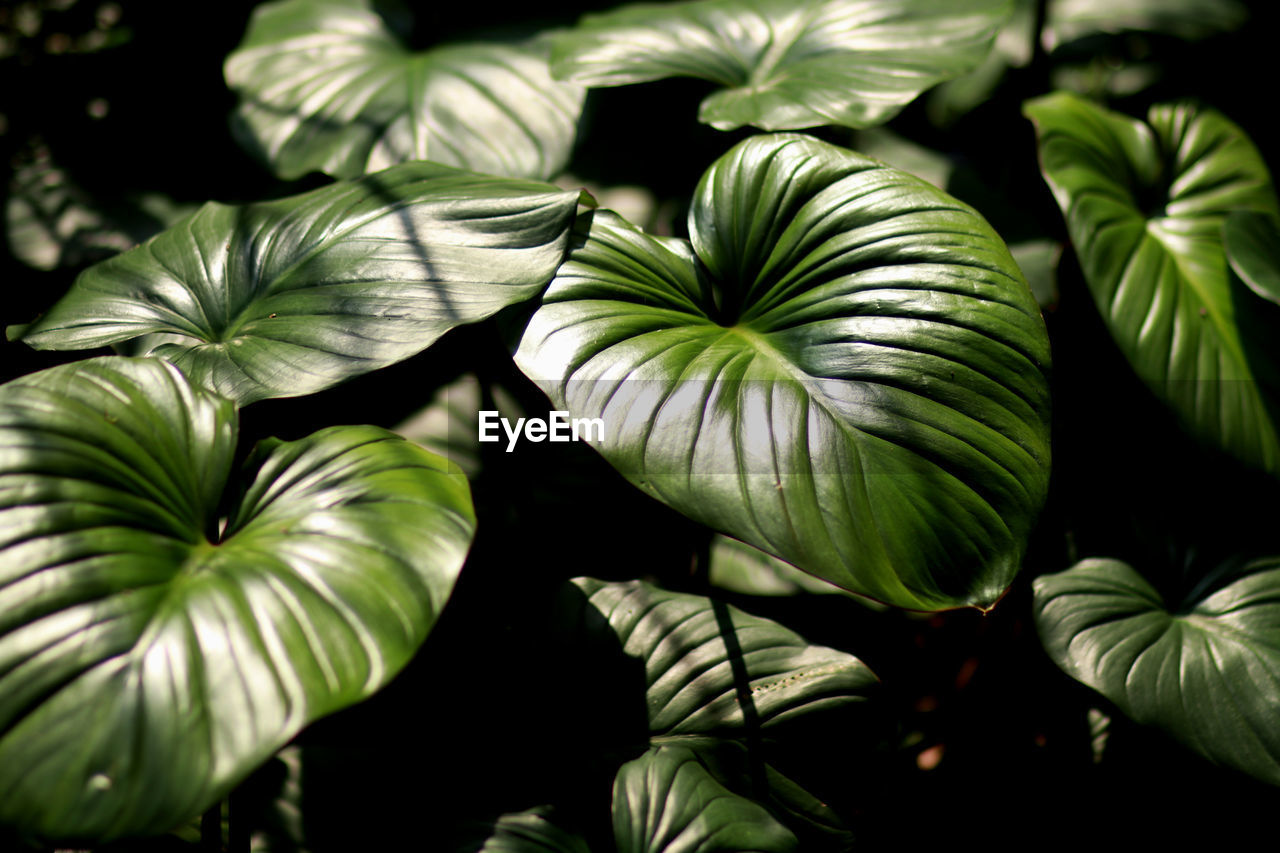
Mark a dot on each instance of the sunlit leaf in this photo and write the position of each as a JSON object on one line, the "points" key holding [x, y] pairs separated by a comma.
{"points": [[1205, 668], [288, 297], [1145, 205], [324, 85], [845, 369], [692, 649], [165, 625], [786, 64]]}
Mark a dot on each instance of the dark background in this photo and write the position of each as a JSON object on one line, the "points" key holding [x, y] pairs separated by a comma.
{"points": [[977, 733]]}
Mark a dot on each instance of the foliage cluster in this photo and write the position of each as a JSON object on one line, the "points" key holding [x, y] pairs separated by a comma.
{"points": [[934, 346]]}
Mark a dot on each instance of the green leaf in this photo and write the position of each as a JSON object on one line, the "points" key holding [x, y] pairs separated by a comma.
{"points": [[738, 567], [1145, 204], [786, 64], [150, 660], [528, 832], [289, 297], [325, 86], [710, 667], [1252, 243], [52, 222], [1205, 669], [846, 369], [666, 802], [1188, 19]]}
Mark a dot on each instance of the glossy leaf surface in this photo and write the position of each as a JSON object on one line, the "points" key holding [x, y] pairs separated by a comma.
{"points": [[288, 297], [1145, 205], [845, 369], [165, 626], [692, 649], [326, 86], [1205, 669], [666, 802], [786, 64], [1252, 243]]}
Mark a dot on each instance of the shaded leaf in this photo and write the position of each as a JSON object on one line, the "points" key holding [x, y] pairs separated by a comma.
{"points": [[289, 297], [1189, 19], [153, 650], [529, 831], [738, 567], [449, 424], [1205, 669], [1253, 249], [692, 649], [785, 64], [666, 802], [1145, 205], [326, 86], [52, 222], [845, 369]]}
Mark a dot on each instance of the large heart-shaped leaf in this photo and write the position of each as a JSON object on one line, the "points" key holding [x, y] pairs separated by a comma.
{"points": [[1145, 205], [288, 297], [786, 64], [709, 667], [846, 369], [1205, 669], [325, 86], [665, 801], [153, 650]]}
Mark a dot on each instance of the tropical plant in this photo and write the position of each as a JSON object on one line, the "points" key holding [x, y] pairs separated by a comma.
{"points": [[300, 544]]}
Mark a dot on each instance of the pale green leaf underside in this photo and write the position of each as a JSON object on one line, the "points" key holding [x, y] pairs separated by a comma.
{"points": [[325, 86], [786, 64], [148, 662], [1145, 205], [691, 686], [289, 297], [665, 801], [1206, 670], [867, 400]]}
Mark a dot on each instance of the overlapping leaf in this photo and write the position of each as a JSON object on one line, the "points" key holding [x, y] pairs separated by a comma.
{"points": [[786, 64], [1205, 669], [738, 567], [665, 801], [846, 369], [1252, 242], [325, 86], [162, 631], [1145, 205], [292, 296], [692, 649], [529, 831]]}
